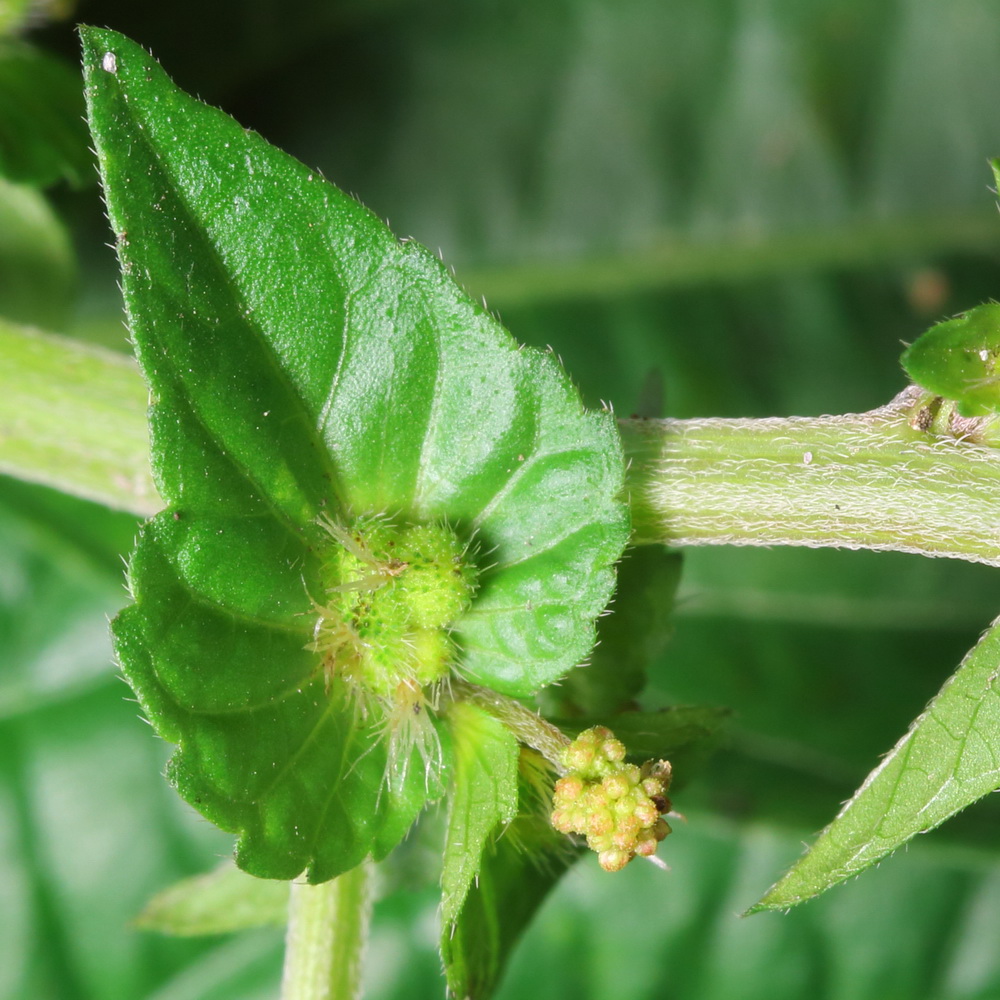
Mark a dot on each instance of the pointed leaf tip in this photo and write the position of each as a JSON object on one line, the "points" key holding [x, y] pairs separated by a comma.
{"points": [[945, 762], [310, 373]]}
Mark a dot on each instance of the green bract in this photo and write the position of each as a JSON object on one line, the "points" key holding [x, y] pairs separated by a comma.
{"points": [[958, 359], [320, 393]]}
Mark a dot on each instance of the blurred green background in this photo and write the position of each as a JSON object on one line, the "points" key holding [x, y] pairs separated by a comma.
{"points": [[755, 201]]}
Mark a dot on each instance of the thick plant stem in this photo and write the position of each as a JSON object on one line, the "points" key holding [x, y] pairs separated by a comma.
{"points": [[887, 479], [327, 931]]}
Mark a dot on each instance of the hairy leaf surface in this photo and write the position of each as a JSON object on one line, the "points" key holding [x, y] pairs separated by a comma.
{"points": [[304, 362], [484, 796], [948, 760], [517, 871]]}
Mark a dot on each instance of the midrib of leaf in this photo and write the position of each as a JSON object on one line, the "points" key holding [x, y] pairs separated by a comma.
{"points": [[489, 508], [235, 614], [432, 414], [536, 553], [210, 251]]}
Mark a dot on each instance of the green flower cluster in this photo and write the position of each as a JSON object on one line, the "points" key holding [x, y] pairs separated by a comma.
{"points": [[618, 807], [392, 596]]}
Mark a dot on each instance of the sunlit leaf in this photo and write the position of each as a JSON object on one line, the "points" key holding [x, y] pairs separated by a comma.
{"points": [[303, 362]]}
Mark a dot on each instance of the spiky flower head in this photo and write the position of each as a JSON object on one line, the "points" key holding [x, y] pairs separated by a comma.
{"points": [[617, 806], [383, 626]]}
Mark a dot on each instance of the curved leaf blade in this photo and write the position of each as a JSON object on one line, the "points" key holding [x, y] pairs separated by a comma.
{"points": [[948, 760], [519, 868], [42, 135], [484, 795], [302, 361]]}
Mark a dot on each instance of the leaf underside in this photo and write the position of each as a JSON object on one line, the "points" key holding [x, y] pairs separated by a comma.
{"points": [[302, 361], [948, 760]]}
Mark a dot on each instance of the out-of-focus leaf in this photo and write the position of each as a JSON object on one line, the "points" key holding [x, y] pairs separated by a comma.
{"points": [[37, 268], [12, 15], [82, 807], [646, 934], [43, 137], [248, 967], [483, 796], [73, 416], [791, 642], [219, 902], [630, 638], [820, 105], [60, 574], [947, 761]]}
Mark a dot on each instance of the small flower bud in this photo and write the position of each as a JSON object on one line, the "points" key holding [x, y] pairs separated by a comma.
{"points": [[646, 847], [646, 813], [600, 823], [579, 757], [569, 788], [650, 786], [613, 860], [616, 785]]}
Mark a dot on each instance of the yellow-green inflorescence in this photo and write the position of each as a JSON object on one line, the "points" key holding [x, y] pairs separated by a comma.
{"points": [[617, 806], [393, 591]]}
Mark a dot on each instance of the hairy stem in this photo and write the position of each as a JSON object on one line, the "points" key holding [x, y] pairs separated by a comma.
{"points": [[888, 479], [327, 930], [527, 726]]}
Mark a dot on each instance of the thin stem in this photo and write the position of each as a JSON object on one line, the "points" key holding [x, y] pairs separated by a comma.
{"points": [[327, 931], [527, 726], [877, 480], [672, 262]]}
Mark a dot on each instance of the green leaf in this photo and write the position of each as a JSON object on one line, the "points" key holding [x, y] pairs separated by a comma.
{"points": [[946, 761], [72, 416], [303, 362], [37, 267], [957, 359], [630, 639], [219, 902], [518, 870], [681, 734], [43, 137], [483, 796]]}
